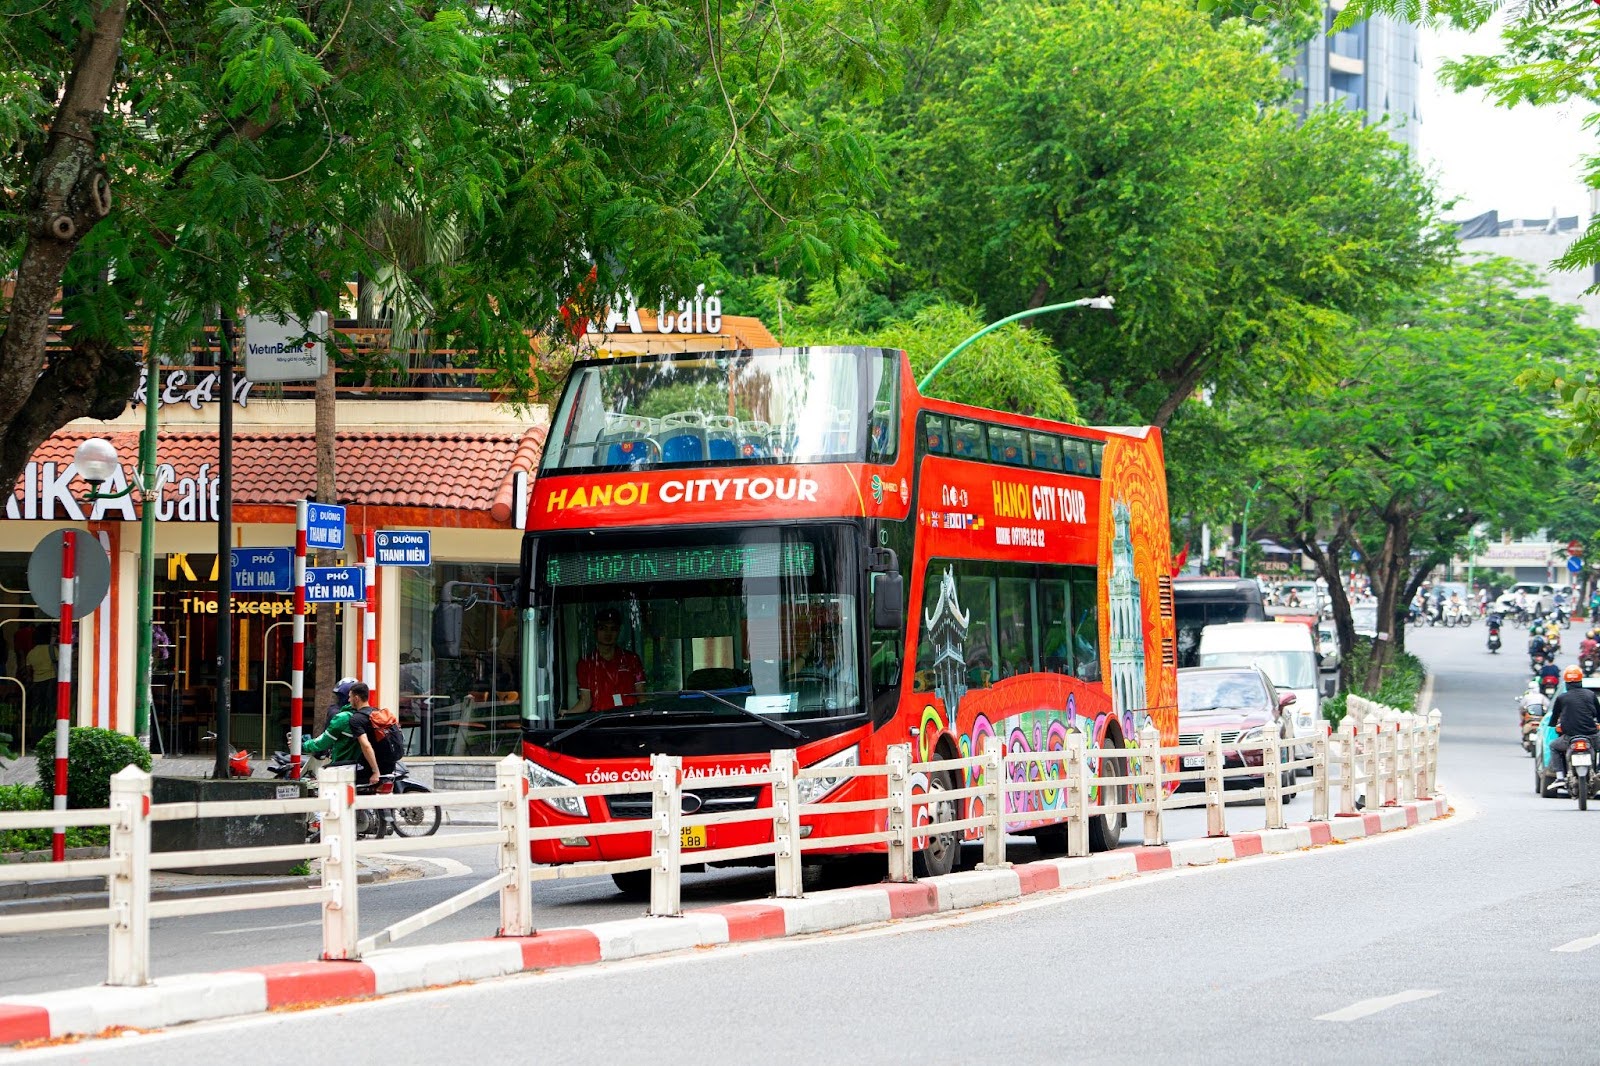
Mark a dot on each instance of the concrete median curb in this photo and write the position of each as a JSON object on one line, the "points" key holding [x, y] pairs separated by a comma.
{"points": [[176, 1000]]}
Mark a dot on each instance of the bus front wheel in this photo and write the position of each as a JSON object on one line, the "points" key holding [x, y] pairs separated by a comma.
{"points": [[941, 851], [633, 884]]}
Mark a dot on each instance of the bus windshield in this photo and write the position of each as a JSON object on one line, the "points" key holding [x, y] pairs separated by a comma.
{"points": [[787, 405], [719, 626]]}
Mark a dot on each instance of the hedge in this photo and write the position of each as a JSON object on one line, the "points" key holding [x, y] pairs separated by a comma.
{"points": [[1402, 682], [93, 755], [34, 798]]}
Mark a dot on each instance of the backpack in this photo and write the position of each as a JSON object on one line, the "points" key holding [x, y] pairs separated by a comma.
{"points": [[386, 731]]}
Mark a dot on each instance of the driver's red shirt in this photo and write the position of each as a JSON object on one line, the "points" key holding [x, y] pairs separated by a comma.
{"points": [[611, 682]]}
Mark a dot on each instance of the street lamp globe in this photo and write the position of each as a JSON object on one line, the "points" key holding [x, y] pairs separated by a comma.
{"points": [[96, 460]]}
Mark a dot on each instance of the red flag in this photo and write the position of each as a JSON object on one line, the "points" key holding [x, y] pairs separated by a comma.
{"points": [[1181, 561]]}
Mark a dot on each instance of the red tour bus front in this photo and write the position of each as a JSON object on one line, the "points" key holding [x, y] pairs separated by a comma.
{"points": [[705, 575]]}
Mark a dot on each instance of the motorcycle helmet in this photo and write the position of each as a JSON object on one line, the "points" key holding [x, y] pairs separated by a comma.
{"points": [[342, 689], [1572, 673]]}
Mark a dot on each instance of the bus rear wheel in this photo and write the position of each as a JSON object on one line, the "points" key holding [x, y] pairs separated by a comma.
{"points": [[941, 852], [1105, 830]]}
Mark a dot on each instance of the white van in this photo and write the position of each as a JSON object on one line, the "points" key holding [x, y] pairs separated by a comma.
{"points": [[1284, 652]]}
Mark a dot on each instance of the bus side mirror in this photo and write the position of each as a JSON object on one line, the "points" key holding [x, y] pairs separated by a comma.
{"points": [[888, 601], [447, 630]]}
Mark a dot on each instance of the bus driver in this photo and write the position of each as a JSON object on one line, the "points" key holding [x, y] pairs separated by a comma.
{"points": [[608, 677]]}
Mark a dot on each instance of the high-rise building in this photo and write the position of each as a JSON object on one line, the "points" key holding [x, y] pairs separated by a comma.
{"points": [[1374, 67]]}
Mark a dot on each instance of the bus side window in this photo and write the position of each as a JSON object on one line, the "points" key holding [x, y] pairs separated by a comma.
{"points": [[1077, 452], [1085, 625], [936, 434], [967, 439], [1055, 642], [977, 599], [1005, 446], [1095, 452], [1044, 451], [1017, 652]]}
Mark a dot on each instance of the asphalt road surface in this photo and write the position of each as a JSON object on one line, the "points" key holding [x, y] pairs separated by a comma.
{"points": [[1436, 944]]}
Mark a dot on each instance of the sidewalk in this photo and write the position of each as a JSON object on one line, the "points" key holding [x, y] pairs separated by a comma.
{"points": [[252, 990]]}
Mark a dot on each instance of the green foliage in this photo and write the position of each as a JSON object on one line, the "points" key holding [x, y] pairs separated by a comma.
{"points": [[93, 756], [1012, 369], [33, 798], [472, 164], [1402, 683]]}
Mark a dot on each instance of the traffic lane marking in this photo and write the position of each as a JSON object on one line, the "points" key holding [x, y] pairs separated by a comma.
{"points": [[265, 928], [1365, 1007], [1582, 944]]}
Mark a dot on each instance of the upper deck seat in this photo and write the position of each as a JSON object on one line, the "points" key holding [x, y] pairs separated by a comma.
{"points": [[686, 444], [632, 451]]}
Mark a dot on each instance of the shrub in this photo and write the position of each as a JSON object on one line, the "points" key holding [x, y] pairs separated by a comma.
{"points": [[93, 755], [1402, 682]]}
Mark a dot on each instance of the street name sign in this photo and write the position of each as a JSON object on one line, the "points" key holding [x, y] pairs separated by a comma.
{"points": [[262, 569], [335, 584], [403, 547], [324, 526]]}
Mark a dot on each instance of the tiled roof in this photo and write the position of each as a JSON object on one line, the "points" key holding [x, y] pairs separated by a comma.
{"points": [[448, 470]]}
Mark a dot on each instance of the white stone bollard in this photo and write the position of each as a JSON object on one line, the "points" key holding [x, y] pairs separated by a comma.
{"points": [[787, 855], [341, 923], [129, 885], [994, 781], [516, 898], [666, 813], [900, 850], [1150, 782], [1216, 786]]}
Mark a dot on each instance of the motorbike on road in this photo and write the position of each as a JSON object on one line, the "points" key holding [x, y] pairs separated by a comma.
{"points": [[419, 821], [1494, 634], [1580, 768]]}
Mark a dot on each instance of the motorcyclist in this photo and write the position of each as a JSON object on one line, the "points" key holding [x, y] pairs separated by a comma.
{"points": [[1576, 713], [1549, 679], [342, 740], [1590, 648], [1537, 646]]}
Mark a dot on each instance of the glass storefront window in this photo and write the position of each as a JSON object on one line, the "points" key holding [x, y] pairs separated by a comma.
{"points": [[460, 646], [28, 649]]}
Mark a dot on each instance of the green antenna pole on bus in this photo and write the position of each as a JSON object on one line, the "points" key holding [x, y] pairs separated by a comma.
{"points": [[1099, 303]]}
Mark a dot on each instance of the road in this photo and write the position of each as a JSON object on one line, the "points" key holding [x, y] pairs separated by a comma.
{"points": [[1437, 944]]}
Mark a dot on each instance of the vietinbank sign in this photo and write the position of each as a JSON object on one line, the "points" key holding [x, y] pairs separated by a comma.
{"points": [[688, 490], [285, 349]]}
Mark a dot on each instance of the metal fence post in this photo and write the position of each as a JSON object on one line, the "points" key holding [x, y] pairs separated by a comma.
{"points": [[516, 899], [341, 927], [1408, 776], [994, 799], [666, 809], [1390, 763], [1216, 786], [129, 885], [1272, 775], [1372, 732], [1150, 781], [1319, 774], [899, 763], [1435, 720], [1347, 766], [786, 853], [1077, 773]]}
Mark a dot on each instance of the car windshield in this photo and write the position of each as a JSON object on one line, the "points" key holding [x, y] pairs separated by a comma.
{"points": [[1206, 691], [1286, 669], [776, 406], [758, 620]]}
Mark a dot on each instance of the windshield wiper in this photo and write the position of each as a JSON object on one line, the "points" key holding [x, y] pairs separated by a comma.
{"points": [[589, 720], [787, 730]]}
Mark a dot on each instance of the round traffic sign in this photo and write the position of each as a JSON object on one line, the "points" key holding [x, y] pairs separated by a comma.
{"points": [[89, 561]]}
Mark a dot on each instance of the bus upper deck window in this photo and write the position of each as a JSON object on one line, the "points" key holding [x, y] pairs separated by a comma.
{"points": [[935, 434], [1005, 446], [966, 439], [1044, 451], [1077, 456], [1095, 452]]}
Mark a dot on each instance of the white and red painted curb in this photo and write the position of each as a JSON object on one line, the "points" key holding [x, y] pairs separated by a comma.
{"points": [[256, 989]]}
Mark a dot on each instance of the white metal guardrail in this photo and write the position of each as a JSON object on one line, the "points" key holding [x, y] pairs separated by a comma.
{"points": [[1390, 757]]}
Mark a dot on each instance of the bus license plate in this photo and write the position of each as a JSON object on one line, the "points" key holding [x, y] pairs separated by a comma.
{"points": [[1583, 759], [1194, 762], [694, 836]]}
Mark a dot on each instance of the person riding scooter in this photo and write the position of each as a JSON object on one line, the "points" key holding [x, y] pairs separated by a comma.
{"points": [[1549, 680], [1576, 713], [1589, 654]]}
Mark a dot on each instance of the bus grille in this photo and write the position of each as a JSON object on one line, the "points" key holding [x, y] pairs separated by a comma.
{"points": [[1189, 740], [712, 800]]}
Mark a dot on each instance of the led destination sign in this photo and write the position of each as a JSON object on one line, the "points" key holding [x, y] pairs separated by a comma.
{"points": [[705, 563]]}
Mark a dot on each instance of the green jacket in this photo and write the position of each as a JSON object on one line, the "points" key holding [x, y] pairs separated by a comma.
{"points": [[338, 741]]}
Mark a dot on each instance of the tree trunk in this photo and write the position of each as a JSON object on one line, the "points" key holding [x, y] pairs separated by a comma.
{"points": [[1327, 563], [327, 650], [1394, 566], [70, 194]]}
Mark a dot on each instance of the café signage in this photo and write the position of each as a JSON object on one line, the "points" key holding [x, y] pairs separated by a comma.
{"points": [[193, 387], [700, 313], [46, 495]]}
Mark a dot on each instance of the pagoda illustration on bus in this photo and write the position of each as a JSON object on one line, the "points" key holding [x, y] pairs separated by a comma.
{"points": [[732, 552]]}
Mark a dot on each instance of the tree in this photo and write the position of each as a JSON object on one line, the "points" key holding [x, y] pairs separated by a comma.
{"points": [[164, 160], [1424, 436]]}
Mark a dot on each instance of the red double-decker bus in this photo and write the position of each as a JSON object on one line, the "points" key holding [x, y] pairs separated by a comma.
{"points": [[731, 552]]}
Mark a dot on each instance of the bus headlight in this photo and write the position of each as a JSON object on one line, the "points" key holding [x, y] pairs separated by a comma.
{"points": [[812, 789], [539, 777]]}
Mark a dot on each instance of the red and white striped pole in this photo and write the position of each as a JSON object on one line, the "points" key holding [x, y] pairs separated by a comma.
{"points": [[297, 672], [369, 618], [69, 545]]}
